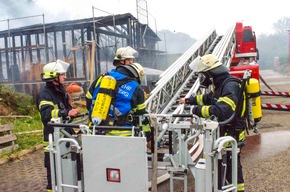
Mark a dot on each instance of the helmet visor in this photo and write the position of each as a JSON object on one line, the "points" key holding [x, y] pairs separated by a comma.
{"points": [[60, 67], [197, 65], [129, 53]]}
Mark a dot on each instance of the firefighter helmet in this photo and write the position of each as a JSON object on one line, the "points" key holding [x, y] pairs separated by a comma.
{"points": [[125, 53], [136, 70], [53, 70], [205, 63]]}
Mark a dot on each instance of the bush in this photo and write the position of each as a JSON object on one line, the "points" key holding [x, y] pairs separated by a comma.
{"points": [[14, 103]]}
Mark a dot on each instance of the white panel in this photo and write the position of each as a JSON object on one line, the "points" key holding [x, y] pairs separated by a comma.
{"points": [[125, 153]]}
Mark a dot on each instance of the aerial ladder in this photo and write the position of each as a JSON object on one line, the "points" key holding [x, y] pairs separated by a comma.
{"points": [[92, 162]]}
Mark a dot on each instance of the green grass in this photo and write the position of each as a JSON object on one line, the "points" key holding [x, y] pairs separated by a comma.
{"points": [[22, 128], [19, 109], [25, 118], [28, 139]]}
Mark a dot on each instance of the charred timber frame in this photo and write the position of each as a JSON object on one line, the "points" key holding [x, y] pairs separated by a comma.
{"points": [[33, 46]]}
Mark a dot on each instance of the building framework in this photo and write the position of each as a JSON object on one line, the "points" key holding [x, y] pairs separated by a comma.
{"points": [[87, 44]]}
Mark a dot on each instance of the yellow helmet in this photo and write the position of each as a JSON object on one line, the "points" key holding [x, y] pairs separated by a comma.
{"points": [[53, 69], [125, 53], [136, 70], [204, 63], [140, 70]]}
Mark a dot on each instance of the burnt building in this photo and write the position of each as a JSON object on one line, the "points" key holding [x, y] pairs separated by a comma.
{"points": [[89, 45]]}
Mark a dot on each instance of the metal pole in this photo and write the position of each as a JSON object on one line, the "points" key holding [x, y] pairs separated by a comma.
{"points": [[25, 17], [94, 25], [10, 54], [95, 36], [45, 40]]}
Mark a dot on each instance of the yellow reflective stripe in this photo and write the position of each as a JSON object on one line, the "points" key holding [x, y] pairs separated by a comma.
{"points": [[242, 136], [141, 106], [54, 113], [45, 143], [228, 101], [205, 111], [244, 105], [45, 103], [199, 99], [241, 186], [120, 133], [99, 80], [146, 128], [89, 95], [227, 144]]}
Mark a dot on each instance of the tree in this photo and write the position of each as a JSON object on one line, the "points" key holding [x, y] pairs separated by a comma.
{"points": [[282, 25], [274, 45]]}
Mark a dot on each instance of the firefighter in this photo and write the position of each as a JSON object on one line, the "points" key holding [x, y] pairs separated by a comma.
{"points": [[125, 56], [129, 100], [53, 102], [221, 102]]}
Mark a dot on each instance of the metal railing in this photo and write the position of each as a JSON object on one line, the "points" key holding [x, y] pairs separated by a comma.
{"points": [[176, 75]]}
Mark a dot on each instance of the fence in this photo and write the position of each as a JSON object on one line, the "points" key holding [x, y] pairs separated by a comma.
{"points": [[7, 138]]}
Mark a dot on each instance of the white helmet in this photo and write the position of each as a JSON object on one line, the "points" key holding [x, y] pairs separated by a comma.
{"points": [[125, 53], [53, 69], [204, 63]]}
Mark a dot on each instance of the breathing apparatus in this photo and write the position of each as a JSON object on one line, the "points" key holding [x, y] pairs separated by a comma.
{"points": [[104, 98], [107, 93], [253, 103]]}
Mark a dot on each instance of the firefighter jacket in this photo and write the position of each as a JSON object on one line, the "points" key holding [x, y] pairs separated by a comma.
{"points": [[222, 102], [129, 100], [52, 102]]}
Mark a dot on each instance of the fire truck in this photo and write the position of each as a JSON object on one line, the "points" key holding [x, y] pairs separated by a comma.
{"points": [[93, 162], [246, 49]]}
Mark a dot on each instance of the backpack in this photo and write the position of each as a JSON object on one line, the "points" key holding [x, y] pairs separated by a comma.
{"points": [[249, 122]]}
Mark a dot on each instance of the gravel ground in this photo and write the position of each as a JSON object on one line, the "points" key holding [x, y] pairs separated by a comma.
{"points": [[265, 158]]}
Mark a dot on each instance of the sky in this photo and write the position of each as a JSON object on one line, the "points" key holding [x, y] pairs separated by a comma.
{"points": [[186, 16]]}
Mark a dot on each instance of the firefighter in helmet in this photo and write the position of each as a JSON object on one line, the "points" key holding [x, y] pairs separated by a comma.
{"points": [[129, 100], [125, 56], [221, 102], [53, 102]]}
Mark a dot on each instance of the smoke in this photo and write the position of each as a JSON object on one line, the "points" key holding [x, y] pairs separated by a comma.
{"points": [[20, 8], [18, 13]]}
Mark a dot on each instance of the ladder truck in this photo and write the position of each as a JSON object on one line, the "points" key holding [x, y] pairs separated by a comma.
{"points": [[91, 162]]}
